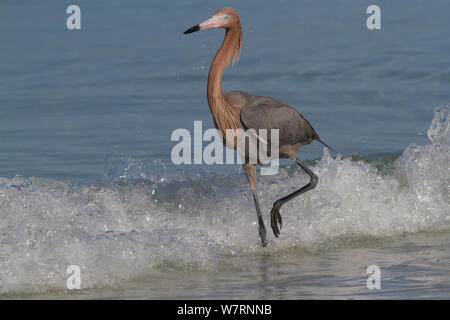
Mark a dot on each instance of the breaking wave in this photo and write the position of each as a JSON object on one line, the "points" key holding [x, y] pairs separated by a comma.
{"points": [[134, 224]]}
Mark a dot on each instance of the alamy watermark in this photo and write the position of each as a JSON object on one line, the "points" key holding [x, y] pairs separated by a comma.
{"points": [[374, 280], [74, 279], [73, 21], [373, 22], [253, 146]]}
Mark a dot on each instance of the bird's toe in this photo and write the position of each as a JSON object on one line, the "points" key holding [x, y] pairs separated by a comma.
{"points": [[275, 220]]}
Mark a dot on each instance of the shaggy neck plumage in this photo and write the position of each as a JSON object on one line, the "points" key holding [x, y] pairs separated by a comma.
{"points": [[225, 115]]}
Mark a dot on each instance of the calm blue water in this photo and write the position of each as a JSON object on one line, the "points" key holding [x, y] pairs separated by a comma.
{"points": [[86, 118], [121, 85]]}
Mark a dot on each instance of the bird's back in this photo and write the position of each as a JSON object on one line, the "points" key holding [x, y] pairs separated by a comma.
{"points": [[259, 112]]}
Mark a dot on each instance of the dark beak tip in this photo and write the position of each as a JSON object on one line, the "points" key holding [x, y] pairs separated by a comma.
{"points": [[193, 29]]}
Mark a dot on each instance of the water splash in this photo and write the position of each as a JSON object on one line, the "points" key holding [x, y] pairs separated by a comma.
{"points": [[439, 130], [134, 224]]}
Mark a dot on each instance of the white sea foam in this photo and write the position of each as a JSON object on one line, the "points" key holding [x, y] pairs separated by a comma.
{"points": [[117, 230]]}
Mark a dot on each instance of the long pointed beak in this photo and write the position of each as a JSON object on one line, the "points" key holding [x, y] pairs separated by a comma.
{"points": [[193, 29], [212, 22]]}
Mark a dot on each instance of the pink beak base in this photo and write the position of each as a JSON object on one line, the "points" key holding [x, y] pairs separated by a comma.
{"points": [[211, 23]]}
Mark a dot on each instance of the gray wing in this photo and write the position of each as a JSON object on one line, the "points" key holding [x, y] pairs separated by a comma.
{"points": [[259, 112]]}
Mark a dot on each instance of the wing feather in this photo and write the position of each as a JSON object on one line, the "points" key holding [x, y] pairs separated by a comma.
{"points": [[259, 112]]}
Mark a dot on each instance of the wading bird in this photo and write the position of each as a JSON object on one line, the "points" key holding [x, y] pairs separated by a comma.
{"points": [[239, 110]]}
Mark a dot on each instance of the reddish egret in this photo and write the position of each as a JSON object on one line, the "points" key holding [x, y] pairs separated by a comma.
{"points": [[240, 110]]}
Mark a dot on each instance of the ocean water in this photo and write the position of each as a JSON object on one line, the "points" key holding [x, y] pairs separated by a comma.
{"points": [[86, 177]]}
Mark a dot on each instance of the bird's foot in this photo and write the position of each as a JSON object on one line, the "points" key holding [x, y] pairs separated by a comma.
{"points": [[275, 218]]}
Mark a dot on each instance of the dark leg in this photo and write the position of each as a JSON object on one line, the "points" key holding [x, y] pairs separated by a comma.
{"points": [[275, 216], [250, 172], [262, 227]]}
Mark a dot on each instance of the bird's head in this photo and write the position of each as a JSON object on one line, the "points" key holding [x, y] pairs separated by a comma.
{"points": [[223, 18]]}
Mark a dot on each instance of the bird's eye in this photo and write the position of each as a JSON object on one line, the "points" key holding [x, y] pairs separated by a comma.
{"points": [[226, 17]]}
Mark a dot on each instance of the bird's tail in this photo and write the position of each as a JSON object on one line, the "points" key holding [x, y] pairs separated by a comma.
{"points": [[326, 145]]}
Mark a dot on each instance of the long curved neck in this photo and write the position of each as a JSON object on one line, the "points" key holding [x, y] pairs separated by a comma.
{"points": [[225, 115]]}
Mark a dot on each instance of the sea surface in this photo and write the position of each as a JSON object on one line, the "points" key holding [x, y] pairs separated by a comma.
{"points": [[86, 176]]}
